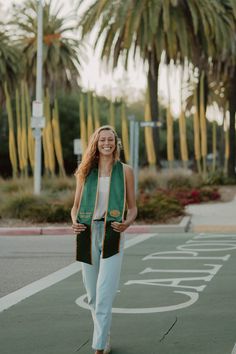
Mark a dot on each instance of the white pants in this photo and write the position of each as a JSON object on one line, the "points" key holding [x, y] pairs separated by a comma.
{"points": [[101, 281]]}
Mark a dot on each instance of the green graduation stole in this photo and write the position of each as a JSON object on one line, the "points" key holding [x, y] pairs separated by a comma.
{"points": [[115, 212]]}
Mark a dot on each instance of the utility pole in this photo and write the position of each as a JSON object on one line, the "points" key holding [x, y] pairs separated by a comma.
{"points": [[38, 120], [134, 148], [134, 127]]}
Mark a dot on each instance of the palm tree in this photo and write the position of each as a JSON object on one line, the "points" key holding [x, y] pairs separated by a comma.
{"points": [[9, 63], [186, 28], [61, 61], [230, 63], [224, 73]]}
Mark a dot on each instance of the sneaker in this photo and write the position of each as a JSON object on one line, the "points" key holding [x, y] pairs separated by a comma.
{"points": [[107, 349]]}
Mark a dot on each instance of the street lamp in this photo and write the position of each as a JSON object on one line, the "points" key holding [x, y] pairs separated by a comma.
{"points": [[38, 120]]}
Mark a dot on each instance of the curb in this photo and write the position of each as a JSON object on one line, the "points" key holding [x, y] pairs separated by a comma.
{"points": [[213, 228], [66, 230]]}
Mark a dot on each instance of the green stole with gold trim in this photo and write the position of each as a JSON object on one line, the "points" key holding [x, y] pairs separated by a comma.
{"points": [[115, 212]]}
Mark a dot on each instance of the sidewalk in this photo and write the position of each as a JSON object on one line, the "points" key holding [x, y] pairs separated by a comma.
{"points": [[213, 217]]}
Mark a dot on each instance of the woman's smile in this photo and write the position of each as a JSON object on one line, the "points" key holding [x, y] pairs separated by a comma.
{"points": [[106, 142]]}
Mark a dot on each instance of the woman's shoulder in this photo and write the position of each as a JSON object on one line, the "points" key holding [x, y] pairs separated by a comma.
{"points": [[128, 169]]}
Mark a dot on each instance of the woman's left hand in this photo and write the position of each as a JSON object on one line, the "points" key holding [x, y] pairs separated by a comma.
{"points": [[119, 226]]}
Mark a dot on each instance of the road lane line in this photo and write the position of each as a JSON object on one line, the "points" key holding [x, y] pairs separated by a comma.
{"points": [[234, 349], [15, 297]]}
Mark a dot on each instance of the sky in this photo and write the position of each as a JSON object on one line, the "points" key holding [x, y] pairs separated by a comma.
{"points": [[130, 84]]}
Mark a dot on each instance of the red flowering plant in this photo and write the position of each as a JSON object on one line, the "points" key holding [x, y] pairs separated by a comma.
{"points": [[194, 195]]}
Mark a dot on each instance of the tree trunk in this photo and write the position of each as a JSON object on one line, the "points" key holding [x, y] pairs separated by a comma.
{"points": [[232, 142], [153, 94]]}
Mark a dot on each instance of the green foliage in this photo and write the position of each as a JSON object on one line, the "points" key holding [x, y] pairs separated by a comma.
{"points": [[61, 55], [158, 207], [218, 178], [186, 195], [14, 185], [25, 206], [58, 184], [54, 205], [148, 179], [179, 181]]}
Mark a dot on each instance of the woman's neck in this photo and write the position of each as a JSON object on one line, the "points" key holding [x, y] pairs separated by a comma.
{"points": [[105, 166]]}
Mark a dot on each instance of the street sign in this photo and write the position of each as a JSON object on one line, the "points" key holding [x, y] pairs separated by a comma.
{"points": [[78, 150], [37, 109], [150, 124], [37, 122]]}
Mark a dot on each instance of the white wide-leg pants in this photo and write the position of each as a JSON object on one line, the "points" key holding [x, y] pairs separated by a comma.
{"points": [[101, 281]]}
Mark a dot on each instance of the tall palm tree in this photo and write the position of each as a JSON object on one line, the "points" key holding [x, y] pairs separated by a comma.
{"points": [[181, 28], [224, 68], [61, 61], [9, 62], [231, 92]]}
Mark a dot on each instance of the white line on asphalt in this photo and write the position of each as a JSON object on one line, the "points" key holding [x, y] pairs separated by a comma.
{"points": [[15, 297], [234, 349], [38, 285]]}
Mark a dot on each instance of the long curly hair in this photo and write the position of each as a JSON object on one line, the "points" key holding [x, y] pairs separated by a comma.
{"points": [[91, 155]]}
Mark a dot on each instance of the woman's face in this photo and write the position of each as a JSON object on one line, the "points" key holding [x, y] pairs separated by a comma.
{"points": [[106, 143]]}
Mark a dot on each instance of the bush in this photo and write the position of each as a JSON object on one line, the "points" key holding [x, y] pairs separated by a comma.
{"points": [[148, 180], [218, 178], [15, 184], [178, 182], [58, 184], [23, 205], [159, 207], [195, 195], [36, 209]]}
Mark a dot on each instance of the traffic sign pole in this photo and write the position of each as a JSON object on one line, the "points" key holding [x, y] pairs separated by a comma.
{"points": [[37, 121]]}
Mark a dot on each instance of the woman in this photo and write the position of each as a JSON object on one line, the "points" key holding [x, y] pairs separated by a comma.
{"points": [[104, 187]]}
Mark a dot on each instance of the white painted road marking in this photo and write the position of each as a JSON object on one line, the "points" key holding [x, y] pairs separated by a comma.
{"points": [[12, 299], [15, 297], [234, 349], [192, 298], [177, 282]]}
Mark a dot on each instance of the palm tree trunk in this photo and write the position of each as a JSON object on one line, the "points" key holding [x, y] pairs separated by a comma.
{"points": [[232, 142], [153, 92]]}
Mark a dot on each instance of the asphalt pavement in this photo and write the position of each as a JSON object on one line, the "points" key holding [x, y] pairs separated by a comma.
{"points": [[176, 295]]}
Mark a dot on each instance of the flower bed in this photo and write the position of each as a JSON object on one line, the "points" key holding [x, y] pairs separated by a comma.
{"points": [[194, 195]]}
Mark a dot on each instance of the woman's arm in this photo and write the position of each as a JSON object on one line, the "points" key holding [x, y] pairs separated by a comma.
{"points": [[131, 202], [77, 228]]}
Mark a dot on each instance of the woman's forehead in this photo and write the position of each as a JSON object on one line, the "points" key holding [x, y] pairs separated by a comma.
{"points": [[106, 134]]}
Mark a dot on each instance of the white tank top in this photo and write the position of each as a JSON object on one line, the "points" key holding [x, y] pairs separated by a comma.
{"points": [[103, 191]]}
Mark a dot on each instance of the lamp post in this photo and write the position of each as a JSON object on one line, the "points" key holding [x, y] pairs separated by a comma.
{"points": [[38, 120]]}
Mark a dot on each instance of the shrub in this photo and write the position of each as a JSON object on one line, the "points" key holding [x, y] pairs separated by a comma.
{"points": [[36, 209], [59, 213], [58, 184], [218, 178], [195, 195], [22, 205], [208, 193], [16, 184], [151, 179], [183, 181], [148, 180], [158, 207]]}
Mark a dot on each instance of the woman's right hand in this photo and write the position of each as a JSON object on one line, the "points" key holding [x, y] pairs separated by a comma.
{"points": [[78, 228]]}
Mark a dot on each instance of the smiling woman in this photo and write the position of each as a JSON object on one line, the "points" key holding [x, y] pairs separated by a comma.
{"points": [[104, 187]]}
